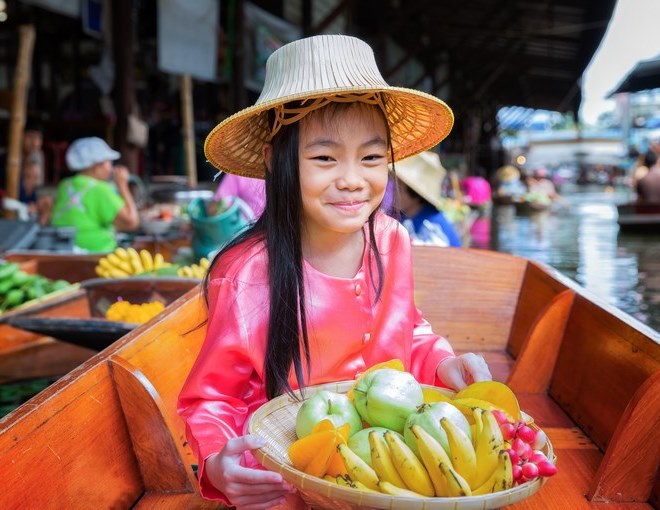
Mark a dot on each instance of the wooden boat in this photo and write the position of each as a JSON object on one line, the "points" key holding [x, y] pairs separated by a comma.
{"points": [[65, 331], [108, 436], [66, 266], [634, 217]]}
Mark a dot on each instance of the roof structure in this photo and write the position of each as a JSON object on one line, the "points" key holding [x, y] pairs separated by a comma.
{"points": [[528, 53], [644, 76]]}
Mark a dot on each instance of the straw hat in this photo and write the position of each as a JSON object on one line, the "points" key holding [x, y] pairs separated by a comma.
{"points": [[423, 174], [319, 70], [507, 173]]}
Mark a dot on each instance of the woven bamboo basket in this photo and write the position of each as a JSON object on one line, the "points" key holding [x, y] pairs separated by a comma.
{"points": [[275, 421]]}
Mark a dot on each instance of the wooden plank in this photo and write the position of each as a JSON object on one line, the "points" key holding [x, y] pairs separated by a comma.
{"points": [[69, 448], [601, 363], [160, 463], [445, 279], [537, 290], [631, 461], [538, 355]]}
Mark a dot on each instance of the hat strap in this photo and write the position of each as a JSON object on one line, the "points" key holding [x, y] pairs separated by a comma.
{"points": [[287, 115]]}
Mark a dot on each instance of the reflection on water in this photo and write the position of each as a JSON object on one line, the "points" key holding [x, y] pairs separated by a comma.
{"points": [[581, 239]]}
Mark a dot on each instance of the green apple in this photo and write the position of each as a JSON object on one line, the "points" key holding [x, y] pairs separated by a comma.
{"points": [[385, 398], [359, 442], [428, 417], [336, 407]]}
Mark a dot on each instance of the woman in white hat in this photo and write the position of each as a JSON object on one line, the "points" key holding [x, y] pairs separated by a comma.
{"points": [[88, 202], [321, 287]]}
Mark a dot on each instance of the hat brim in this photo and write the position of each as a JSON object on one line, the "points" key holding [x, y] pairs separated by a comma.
{"points": [[417, 121]]}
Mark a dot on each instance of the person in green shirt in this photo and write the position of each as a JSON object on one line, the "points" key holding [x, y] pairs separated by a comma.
{"points": [[87, 200]]}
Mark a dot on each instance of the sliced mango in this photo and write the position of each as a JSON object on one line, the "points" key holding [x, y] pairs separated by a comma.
{"points": [[316, 454], [395, 364], [497, 393], [435, 395], [303, 451]]}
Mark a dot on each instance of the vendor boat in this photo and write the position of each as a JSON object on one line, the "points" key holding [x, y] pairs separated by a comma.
{"points": [[639, 217], [107, 435]]}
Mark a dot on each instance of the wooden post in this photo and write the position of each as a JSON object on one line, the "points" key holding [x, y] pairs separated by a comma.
{"points": [[188, 129], [18, 107]]}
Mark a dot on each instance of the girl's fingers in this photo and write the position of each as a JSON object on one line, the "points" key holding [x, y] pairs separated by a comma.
{"points": [[250, 476]]}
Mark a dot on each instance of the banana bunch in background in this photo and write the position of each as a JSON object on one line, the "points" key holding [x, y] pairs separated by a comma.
{"points": [[195, 270], [469, 469], [129, 262]]}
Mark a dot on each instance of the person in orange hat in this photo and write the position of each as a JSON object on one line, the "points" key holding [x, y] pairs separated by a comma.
{"points": [[320, 287]]}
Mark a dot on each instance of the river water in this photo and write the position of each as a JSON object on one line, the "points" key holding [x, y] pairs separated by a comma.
{"points": [[580, 238]]}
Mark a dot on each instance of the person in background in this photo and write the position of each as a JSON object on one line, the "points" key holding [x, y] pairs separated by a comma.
{"points": [[648, 187], [33, 141], [420, 181], [508, 184], [321, 287], [250, 190], [39, 206], [476, 191], [87, 200]]}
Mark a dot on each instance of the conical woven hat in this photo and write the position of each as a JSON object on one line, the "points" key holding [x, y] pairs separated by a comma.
{"points": [[325, 66], [423, 173]]}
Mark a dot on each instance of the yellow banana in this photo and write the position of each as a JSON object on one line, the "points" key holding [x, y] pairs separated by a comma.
{"points": [[147, 260], [489, 444], [432, 454], [159, 261], [204, 263], [121, 253], [381, 460], [135, 261], [115, 272], [478, 427], [358, 470], [463, 456], [501, 479], [345, 481], [391, 489], [105, 263], [456, 484], [409, 467]]}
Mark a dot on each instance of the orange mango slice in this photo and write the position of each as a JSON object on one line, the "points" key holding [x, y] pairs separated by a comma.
{"points": [[316, 454]]}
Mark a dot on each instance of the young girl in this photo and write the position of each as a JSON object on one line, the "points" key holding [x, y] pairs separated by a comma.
{"points": [[321, 287]]}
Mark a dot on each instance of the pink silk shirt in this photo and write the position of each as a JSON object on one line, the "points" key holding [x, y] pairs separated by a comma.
{"points": [[349, 330]]}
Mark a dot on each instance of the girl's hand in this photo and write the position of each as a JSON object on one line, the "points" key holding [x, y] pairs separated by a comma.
{"points": [[246, 488], [460, 371]]}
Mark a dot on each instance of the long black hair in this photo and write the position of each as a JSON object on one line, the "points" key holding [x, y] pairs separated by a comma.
{"points": [[279, 226]]}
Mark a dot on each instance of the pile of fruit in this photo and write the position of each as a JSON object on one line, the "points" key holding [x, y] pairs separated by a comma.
{"points": [[18, 287], [389, 435], [128, 262], [124, 311], [195, 270]]}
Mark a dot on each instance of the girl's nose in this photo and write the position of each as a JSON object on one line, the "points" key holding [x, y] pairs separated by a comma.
{"points": [[351, 177]]}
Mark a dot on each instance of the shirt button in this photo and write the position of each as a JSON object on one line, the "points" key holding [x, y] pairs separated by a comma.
{"points": [[358, 289], [366, 338]]}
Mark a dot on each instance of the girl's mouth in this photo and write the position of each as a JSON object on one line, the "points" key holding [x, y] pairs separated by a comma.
{"points": [[349, 206]]}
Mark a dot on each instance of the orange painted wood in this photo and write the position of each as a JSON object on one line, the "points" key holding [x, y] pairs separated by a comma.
{"points": [[537, 290], [445, 283], [69, 447], [162, 501], [160, 463], [604, 358], [630, 466], [536, 361]]}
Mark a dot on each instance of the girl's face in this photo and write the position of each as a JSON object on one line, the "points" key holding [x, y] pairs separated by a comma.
{"points": [[343, 168]]}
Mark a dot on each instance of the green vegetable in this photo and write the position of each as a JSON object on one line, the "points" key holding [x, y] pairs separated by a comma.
{"points": [[14, 298], [7, 270]]}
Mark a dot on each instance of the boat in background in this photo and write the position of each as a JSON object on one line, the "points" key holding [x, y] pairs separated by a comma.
{"points": [[639, 217]]}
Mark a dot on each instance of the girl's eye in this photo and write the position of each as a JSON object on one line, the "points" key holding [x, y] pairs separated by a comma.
{"points": [[323, 158], [374, 157]]}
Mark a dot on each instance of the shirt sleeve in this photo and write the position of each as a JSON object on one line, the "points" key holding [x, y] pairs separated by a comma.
{"points": [[428, 350], [211, 399]]}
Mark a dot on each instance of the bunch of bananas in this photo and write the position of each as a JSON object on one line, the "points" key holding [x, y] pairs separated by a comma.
{"points": [[468, 470], [195, 270], [129, 262]]}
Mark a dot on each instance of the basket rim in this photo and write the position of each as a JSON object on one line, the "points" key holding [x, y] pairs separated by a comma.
{"points": [[305, 482]]}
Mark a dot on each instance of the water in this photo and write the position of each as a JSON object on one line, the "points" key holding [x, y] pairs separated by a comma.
{"points": [[581, 239]]}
